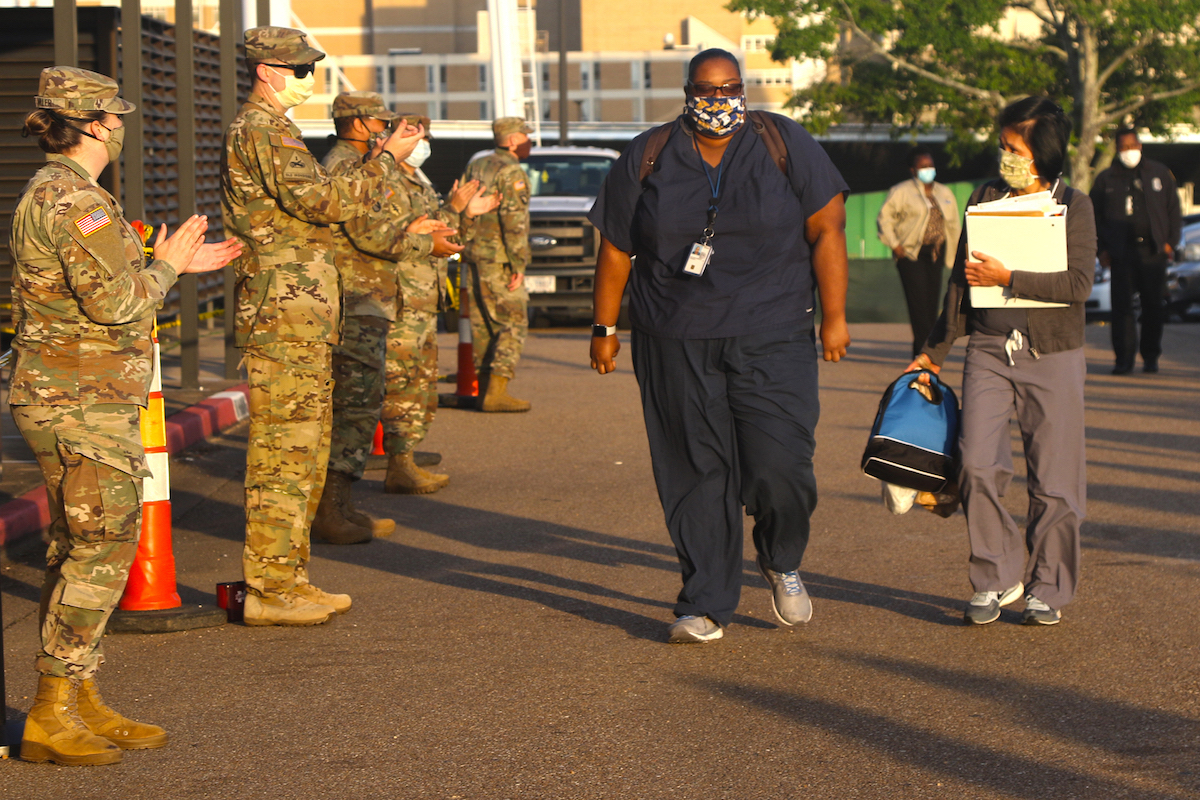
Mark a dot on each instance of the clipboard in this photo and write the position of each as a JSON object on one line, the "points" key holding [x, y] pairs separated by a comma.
{"points": [[1021, 240]]}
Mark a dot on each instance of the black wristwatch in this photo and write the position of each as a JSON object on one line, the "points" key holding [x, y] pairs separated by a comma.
{"points": [[602, 331]]}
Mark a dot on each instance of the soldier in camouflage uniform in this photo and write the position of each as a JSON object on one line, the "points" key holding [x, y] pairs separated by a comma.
{"points": [[84, 299], [280, 202], [410, 400], [498, 255], [367, 251]]}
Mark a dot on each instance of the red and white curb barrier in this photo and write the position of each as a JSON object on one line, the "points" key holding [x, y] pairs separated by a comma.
{"points": [[29, 514]]}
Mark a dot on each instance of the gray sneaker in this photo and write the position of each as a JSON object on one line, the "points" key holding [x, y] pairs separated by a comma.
{"points": [[1038, 613], [985, 606], [689, 628], [789, 598]]}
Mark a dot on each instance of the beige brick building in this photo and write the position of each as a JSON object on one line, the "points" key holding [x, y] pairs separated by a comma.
{"points": [[627, 58]]}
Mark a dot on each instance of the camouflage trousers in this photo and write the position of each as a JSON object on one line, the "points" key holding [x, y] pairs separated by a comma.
{"points": [[410, 393], [286, 458], [93, 462], [499, 320], [357, 392]]}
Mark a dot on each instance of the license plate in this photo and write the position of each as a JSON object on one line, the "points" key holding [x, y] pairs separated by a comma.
{"points": [[540, 284]]}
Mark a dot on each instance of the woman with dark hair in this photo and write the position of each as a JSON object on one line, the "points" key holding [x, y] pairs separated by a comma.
{"points": [[729, 236], [84, 300], [919, 223], [1027, 361]]}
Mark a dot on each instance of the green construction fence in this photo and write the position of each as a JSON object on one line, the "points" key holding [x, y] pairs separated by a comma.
{"points": [[875, 292]]}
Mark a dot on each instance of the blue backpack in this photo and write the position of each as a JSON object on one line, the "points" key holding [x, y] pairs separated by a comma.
{"points": [[914, 441]]}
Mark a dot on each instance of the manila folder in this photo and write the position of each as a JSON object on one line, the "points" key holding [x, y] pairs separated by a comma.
{"points": [[1032, 244]]}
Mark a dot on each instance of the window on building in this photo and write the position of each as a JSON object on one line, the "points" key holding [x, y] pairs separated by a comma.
{"points": [[380, 84], [329, 80], [483, 110], [757, 44], [443, 110], [596, 74], [483, 79], [584, 77], [442, 82], [545, 77], [431, 79], [646, 82]]}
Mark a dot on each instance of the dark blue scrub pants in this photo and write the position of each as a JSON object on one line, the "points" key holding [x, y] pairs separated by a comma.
{"points": [[730, 424]]}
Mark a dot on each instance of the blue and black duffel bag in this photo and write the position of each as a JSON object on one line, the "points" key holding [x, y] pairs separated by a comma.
{"points": [[914, 441]]}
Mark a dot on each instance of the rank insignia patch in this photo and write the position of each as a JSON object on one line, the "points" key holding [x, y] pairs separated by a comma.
{"points": [[93, 222]]}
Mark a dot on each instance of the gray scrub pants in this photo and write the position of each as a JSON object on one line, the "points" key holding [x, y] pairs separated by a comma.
{"points": [[1047, 395]]}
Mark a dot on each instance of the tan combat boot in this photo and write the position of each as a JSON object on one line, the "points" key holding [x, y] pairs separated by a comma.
{"points": [[288, 608], [338, 602], [121, 731], [497, 397], [54, 731], [330, 523], [405, 477], [377, 526]]}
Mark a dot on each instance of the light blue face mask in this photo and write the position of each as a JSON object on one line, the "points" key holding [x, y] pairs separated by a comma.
{"points": [[926, 174]]}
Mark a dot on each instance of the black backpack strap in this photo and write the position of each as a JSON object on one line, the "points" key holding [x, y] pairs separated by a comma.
{"points": [[765, 127], [654, 146]]}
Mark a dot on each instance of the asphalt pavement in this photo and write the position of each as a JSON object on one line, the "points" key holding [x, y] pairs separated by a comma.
{"points": [[507, 641]]}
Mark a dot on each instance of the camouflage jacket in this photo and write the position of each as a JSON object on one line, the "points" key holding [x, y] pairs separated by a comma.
{"points": [[423, 279], [501, 236], [279, 201], [369, 246], [83, 295]]}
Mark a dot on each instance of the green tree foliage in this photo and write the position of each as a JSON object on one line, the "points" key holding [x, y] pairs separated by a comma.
{"points": [[917, 64]]}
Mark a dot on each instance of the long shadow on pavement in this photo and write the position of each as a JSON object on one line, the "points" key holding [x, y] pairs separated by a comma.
{"points": [[976, 763], [1120, 728]]}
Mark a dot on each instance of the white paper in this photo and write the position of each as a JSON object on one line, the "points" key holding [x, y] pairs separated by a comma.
{"points": [[1027, 244]]}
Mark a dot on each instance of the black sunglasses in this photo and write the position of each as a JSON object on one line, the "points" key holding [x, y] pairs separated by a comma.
{"points": [[301, 71], [709, 90]]}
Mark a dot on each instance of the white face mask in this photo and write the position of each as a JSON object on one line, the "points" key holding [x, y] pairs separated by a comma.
{"points": [[1130, 158], [419, 155], [295, 90]]}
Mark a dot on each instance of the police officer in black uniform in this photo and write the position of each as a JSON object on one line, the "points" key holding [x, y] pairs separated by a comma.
{"points": [[1138, 223]]}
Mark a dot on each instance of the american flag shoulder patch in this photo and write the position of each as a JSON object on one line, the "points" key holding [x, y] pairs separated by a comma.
{"points": [[295, 144], [93, 222]]}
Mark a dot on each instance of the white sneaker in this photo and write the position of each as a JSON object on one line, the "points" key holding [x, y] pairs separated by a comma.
{"points": [[985, 606], [690, 628]]}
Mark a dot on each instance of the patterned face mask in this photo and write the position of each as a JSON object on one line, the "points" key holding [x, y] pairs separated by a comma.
{"points": [[1016, 170], [717, 116]]}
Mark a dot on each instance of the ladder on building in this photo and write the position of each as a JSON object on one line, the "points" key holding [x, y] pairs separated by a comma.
{"points": [[530, 78], [515, 79]]}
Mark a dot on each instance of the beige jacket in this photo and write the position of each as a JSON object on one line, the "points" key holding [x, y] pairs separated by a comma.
{"points": [[905, 213]]}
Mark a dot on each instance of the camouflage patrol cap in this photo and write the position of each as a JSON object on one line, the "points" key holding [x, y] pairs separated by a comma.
{"points": [[418, 119], [361, 104], [285, 45], [74, 89], [506, 126]]}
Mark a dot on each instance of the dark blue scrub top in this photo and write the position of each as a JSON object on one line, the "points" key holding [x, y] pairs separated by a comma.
{"points": [[760, 276]]}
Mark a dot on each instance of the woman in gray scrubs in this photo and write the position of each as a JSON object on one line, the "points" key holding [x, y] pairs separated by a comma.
{"points": [[1028, 361]]}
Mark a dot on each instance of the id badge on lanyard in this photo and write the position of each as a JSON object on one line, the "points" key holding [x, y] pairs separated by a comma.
{"points": [[702, 250]]}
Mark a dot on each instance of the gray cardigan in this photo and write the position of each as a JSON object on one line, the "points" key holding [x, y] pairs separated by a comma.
{"points": [[1051, 330]]}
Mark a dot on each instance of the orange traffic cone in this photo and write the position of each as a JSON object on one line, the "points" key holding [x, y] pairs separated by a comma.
{"points": [[377, 445], [151, 602], [467, 388], [151, 583]]}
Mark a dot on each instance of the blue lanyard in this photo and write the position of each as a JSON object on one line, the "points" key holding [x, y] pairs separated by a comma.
{"points": [[713, 208]]}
